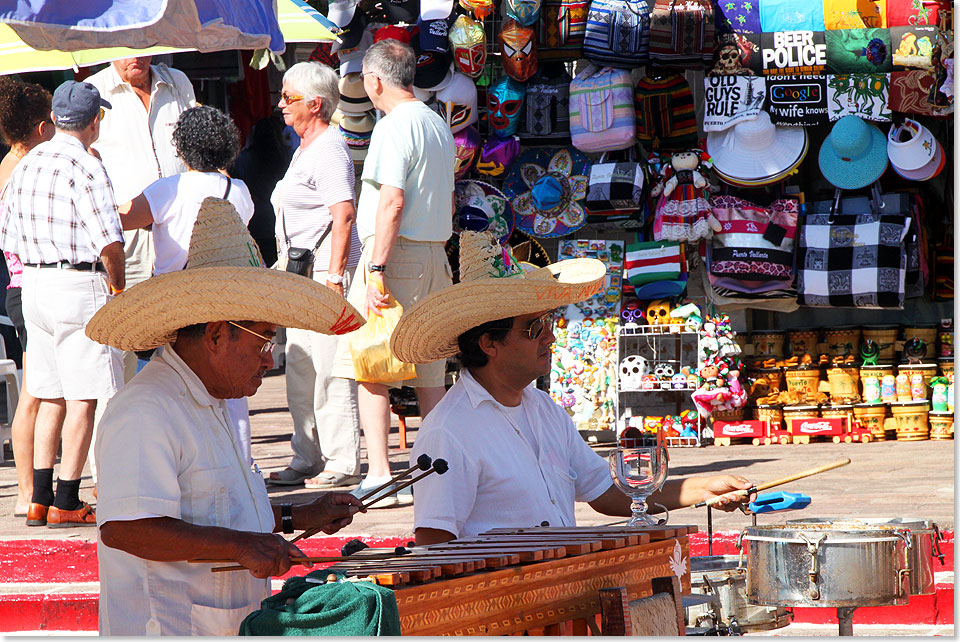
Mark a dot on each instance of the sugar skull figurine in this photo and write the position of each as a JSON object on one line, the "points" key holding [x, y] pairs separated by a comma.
{"points": [[658, 312], [518, 50], [631, 372], [469, 44], [504, 105]]}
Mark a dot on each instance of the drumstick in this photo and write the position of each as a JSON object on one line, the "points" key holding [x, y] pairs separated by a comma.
{"points": [[775, 482], [423, 463], [439, 467]]}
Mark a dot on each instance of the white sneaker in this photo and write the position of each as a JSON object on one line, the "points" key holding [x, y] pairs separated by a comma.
{"points": [[367, 485]]}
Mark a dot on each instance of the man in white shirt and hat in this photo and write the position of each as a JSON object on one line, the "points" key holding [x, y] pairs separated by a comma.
{"points": [[174, 485], [515, 458]]}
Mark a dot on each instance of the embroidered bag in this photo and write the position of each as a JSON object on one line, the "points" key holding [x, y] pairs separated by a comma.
{"points": [[852, 260], [547, 105], [682, 32], [754, 250], [618, 33], [614, 187], [602, 117], [561, 28]]}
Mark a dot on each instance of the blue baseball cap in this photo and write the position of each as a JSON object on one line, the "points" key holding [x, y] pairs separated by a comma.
{"points": [[77, 102]]}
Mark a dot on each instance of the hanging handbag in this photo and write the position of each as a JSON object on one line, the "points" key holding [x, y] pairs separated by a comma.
{"points": [[614, 188], [853, 260], [754, 249]]}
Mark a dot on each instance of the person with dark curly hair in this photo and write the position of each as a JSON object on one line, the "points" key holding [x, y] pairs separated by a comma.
{"points": [[24, 124], [207, 141]]}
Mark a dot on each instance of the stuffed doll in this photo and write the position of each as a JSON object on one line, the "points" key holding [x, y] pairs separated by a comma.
{"points": [[683, 209], [713, 392]]}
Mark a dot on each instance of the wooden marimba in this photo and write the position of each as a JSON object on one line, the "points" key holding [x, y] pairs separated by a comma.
{"points": [[510, 581]]}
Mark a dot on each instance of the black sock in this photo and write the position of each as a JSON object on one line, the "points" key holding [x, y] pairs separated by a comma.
{"points": [[42, 486], [68, 494]]}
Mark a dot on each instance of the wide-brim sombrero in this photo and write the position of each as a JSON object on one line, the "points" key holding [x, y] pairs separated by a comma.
{"points": [[428, 330], [224, 281], [756, 152]]}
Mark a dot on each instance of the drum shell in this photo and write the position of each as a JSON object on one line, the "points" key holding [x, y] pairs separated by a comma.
{"points": [[720, 577], [923, 536], [856, 566]]}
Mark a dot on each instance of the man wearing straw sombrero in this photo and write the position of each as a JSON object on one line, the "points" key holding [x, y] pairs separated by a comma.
{"points": [[174, 485], [515, 457]]}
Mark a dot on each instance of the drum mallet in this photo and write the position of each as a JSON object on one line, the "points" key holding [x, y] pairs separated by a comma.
{"points": [[775, 482], [423, 463], [439, 467]]}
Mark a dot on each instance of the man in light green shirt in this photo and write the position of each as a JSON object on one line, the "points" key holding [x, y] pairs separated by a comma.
{"points": [[404, 216]]}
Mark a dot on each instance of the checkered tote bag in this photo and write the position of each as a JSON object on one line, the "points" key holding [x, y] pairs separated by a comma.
{"points": [[852, 260]]}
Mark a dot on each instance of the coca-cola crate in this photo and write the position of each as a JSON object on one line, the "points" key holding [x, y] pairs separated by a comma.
{"points": [[805, 429], [745, 431]]}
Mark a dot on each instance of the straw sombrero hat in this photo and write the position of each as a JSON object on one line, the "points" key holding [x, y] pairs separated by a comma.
{"points": [[492, 286], [224, 280]]}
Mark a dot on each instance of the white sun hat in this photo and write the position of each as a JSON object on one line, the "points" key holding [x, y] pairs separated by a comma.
{"points": [[756, 151]]}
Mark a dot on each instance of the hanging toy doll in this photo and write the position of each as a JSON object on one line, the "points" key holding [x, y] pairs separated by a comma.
{"points": [[683, 209]]}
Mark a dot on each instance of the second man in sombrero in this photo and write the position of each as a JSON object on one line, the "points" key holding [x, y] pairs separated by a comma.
{"points": [[516, 459]]}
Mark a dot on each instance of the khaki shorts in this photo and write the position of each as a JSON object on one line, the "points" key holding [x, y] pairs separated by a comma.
{"points": [[415, 269]]}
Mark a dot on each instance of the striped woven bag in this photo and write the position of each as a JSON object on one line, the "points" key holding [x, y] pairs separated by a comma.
{"points": [[618, 33], [602, 116]]}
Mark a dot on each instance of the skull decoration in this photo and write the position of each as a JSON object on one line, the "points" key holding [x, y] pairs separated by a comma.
{"points": [[631, 372], [658, 312], [504, 103], [663, 370], [729, 59], [469, 45], [518, 49]]}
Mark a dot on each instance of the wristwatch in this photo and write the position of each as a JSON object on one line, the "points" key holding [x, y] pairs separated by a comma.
{"points": [[336, 279], [371, 267], [286, 518]]}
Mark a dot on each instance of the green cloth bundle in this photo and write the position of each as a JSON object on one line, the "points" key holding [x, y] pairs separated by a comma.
{"points": [[335, 608]]}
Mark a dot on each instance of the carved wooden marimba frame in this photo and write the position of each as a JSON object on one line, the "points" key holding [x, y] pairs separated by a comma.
{"points": [[510, 581]]}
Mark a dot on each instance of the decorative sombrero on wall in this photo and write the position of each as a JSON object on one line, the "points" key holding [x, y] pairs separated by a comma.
{"points": [[224, 281], [481, 207], [546, 188], [492, 286]]}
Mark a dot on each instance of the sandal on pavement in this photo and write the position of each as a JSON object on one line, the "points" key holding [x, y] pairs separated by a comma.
{"points": [[83, 516], [332, 479], [287, 477]]}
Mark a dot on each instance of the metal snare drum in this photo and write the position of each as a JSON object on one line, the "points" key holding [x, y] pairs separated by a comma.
{"points": [[720, 578]]}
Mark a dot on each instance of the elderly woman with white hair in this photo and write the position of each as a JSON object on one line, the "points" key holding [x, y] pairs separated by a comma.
{"points": [[314, 205]]}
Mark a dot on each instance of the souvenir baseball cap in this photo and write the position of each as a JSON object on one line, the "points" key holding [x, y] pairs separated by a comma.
{"points": [[353, 97], [434, 71], [344, 14], [397, 11], [76, 102], [434, 23], [911, 145], [351, 61], [854, 153], [914, 152], [457, 102], [393, 31]]}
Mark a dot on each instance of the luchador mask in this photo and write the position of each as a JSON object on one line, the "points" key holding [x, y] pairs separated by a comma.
{"points": [[468, 144], [518, 49], [469, 44], [504, 105], [524, 12], [457, 102], [497, 155], [480, 8]]}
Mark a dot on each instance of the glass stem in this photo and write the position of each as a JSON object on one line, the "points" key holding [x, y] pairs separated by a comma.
{"points": [[638, 506]]}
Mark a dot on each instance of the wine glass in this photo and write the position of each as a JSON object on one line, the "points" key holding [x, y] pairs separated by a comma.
{"points": [[639, 472]]}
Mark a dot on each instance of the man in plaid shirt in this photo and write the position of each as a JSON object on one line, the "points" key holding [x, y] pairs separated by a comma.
{"points": [[59, 216]]}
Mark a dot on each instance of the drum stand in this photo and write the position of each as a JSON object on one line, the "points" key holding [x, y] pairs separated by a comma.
{"points": [[845, 618]]}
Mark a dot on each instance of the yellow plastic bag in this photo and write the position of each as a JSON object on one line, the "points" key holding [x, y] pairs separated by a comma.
{"points": [[373, 361]]}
